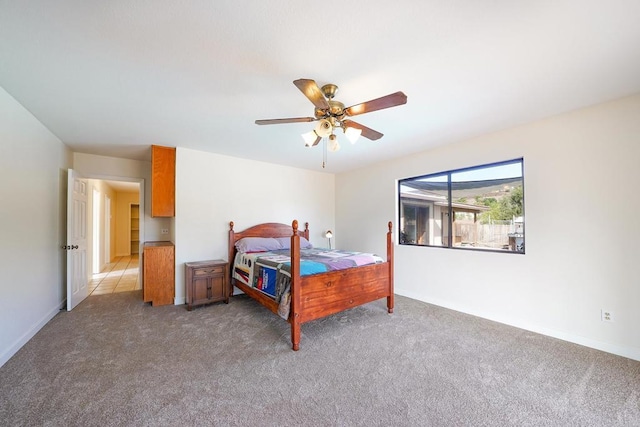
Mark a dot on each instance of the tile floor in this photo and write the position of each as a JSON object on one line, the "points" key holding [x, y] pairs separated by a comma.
{"points": [[121, 275]]}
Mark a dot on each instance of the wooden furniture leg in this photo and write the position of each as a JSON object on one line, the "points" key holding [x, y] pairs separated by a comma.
{"points": [[295, 332], [295, 287], [390, 262]]}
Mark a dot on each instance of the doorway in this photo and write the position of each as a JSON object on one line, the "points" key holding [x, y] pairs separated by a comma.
{"points": [[116, 228]]}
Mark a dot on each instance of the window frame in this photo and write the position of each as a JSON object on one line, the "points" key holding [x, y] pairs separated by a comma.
{"points": [[449, 212]]}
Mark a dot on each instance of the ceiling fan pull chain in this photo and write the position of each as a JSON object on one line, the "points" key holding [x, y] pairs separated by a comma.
{"points": [[324, 152]]}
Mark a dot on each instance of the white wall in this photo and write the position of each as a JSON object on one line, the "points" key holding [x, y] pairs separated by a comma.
{"points": [[581, 202], [212, 190], [33, 174]]}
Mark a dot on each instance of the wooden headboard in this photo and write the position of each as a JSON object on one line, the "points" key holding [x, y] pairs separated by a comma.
{"points": [[268, 229]]}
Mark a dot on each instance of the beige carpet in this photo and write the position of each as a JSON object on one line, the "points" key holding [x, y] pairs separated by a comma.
{"points": [[117, 361]]}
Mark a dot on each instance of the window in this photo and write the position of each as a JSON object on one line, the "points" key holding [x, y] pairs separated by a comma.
{"points": [[481, 207]]}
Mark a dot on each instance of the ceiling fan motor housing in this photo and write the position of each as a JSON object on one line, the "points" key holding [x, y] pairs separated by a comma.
{"points": [[336, 108]]}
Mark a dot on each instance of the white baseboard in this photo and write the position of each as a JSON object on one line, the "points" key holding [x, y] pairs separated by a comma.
{"points": [[629, 352], [20, 342], [179, 301]]}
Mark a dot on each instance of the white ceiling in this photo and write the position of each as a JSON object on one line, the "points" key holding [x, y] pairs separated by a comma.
{"points": [[124, 186], [113, 77]]}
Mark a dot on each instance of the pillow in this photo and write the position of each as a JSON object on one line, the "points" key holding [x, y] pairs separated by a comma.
{"points": [[285, 242], [258, 244]]}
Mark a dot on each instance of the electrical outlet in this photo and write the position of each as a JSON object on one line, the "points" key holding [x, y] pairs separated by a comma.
{"points": [[164, 231], [606, 315]]}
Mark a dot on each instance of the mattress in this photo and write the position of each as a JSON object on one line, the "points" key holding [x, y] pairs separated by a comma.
{"points": [[270, 272]]}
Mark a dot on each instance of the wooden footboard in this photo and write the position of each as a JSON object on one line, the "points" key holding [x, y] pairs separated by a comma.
{"points": [[320, 295]]}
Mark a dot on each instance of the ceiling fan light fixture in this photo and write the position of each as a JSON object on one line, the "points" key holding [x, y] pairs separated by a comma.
{"points": [[352, 134], [324, 128], [309, 138], [333, 145]]}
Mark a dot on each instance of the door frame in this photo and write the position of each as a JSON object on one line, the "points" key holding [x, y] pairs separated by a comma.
{"points": [[96, 211], [107, 230]]}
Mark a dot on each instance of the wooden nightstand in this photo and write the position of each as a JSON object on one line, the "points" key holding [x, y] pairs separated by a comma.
{"points": [[206, 282]]}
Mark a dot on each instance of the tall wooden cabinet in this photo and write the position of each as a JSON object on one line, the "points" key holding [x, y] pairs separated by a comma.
{"points": [[163, 181], [158, 281]]}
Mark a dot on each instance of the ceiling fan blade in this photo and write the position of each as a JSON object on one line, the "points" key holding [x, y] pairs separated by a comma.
{"points": [[318, 139], [313, 92], [281, 121], [366, 132], [388, 101]]}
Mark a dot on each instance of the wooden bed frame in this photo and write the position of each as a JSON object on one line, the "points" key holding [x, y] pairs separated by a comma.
{"points": [[318, 295]]}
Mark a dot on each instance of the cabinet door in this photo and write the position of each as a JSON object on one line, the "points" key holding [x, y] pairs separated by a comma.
{"points": [[218, 287], [159, 268], [163, 181], [200, 289]]}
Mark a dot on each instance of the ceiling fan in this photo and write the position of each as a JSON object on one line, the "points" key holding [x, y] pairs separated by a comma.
{"points": [[331, 114]]}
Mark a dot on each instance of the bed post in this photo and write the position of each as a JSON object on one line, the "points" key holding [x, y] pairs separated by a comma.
{"points": [[295, 287], [390, 261], [231, 249]]}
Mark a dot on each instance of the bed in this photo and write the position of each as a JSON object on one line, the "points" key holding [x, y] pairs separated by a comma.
{"points": [[317, 295]]}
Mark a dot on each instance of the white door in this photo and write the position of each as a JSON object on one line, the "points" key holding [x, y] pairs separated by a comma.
{"points": [[76, 246]]}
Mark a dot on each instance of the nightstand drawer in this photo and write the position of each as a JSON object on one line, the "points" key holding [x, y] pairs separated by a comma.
{"points": [[208, 271]]}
